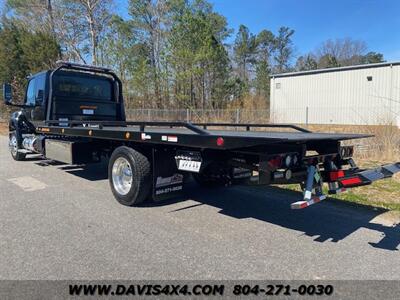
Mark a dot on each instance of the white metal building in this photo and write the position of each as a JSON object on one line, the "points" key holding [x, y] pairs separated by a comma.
{"points": [[356, 95]]}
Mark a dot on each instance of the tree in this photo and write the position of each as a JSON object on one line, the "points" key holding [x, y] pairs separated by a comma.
{"points": [[22, 53], [97, 15], [27, 12], [341, 52], [372, 57], [265, 47], [283, 49], [197, 55], [328, 61], [116, 48], [244, 48], [265, 43], [80, 26], [168, 53], [306, 63], [148, 23], [338, 53], [82, 23]]}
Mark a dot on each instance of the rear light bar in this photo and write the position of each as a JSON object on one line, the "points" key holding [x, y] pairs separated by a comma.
{"points": [[351, 181], [284, 161]]}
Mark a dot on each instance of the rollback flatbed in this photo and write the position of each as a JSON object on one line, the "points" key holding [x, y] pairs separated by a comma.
{"points": [[75, 114]]}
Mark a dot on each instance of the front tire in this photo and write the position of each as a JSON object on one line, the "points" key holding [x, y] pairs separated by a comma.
{"points": [[13, 146], [129, 174]]}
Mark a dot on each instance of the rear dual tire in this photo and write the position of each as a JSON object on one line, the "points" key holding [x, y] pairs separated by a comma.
{"points": [[129, 174]]}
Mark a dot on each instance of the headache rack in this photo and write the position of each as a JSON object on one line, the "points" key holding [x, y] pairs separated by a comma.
{"points": [[76, 66]]}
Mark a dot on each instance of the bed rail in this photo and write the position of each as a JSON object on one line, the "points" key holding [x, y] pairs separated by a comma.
{"points": [[250, 125], [142, 125]]}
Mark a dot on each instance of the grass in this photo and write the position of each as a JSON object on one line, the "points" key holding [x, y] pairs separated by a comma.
{"points": [[367, 196]]}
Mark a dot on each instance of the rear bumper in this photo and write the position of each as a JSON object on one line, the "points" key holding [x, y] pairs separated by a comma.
{"points": [[343, 179]]}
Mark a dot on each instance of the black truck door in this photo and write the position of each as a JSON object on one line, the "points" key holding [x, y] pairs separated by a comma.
{"points": [[35, 98]]}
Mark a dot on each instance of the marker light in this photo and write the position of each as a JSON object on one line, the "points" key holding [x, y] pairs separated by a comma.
{"points": [[220, 141]]}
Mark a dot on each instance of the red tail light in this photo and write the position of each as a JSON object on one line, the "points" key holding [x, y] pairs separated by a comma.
{"points": [[220, 141], [275, 162], [351, 181], [335, 175]]}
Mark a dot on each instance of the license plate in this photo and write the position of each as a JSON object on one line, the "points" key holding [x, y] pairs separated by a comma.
{"points": [[189, 165]]}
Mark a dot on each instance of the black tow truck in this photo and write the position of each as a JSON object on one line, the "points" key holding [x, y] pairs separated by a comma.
{"points": [[75, 114]]}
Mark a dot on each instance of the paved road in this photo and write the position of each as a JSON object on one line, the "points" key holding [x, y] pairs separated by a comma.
{"points": [[61, 222]]}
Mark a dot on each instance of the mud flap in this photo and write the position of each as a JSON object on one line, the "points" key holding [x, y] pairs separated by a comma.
{"points": [[168, 181]]}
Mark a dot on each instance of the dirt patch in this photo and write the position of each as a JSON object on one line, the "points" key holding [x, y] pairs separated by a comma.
{"points": [[3, 128]]}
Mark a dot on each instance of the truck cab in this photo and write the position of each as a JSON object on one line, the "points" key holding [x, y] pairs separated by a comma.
{"points": [[70, 92], [74, 94]]}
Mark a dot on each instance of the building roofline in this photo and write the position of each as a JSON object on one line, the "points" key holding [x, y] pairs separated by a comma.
{"points": [[327, 70]]}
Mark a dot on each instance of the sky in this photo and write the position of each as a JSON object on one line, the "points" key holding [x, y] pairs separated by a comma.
{"points": [[377, 22]]}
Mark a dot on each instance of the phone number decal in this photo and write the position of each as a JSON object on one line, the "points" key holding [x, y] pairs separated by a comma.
{"points": [[281, 289]]}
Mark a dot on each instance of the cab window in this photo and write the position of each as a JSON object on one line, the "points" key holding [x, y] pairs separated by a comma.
{"points": [[40, 83], [30, 93], [35, 91], [86, 87]]}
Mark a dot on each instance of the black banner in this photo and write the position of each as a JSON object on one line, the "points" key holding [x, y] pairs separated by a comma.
{"points": [[269, 289]]}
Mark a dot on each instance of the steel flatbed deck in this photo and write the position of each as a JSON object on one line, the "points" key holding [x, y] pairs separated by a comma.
{"points": [[192, 135]]}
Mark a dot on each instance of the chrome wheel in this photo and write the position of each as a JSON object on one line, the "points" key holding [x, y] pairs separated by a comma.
{"points": [[122, 176], [13, 145]]}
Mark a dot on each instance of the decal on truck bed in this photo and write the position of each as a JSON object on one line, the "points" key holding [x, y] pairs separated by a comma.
{"points": [[144, 136], [169, 138], [165, 185], [174, 179]]}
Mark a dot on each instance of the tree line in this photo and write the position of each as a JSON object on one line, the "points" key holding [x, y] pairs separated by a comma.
{"points": [[168, 53]]}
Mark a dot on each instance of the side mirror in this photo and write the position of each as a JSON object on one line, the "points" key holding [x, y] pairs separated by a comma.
{"points": [[7, 93]]}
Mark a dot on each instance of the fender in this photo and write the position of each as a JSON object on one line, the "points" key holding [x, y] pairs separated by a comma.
{"points": [[20, 124]]}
